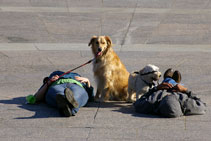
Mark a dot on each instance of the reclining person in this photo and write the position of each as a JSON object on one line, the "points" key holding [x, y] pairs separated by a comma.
{"points": [[170, 99], [68, 93]]}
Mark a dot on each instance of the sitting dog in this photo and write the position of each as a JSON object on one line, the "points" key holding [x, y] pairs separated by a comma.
{"points": [[111, 75], [140, 82]]}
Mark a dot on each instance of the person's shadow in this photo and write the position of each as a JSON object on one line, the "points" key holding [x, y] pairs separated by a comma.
{"points": [[125, 108], [41, 110], [129, 109]]}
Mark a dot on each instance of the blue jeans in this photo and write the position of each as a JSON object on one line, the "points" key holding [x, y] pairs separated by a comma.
{"points": [[79, 93]]}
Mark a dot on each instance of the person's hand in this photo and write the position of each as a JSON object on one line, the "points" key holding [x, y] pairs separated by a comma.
{"points": [[179, 88], [83, 80], [53, 79], [164, 86]]}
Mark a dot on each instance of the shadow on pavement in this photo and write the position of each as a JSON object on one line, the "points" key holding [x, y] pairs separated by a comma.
{"points": [[129, 109], [125, 108], [41, 110]]}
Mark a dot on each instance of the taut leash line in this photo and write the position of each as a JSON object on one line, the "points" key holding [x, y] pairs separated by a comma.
{"points": [[75, 68], [31, 99]]}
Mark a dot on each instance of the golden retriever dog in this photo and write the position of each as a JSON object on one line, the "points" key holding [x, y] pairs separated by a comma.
{"points": [[140, 82], [110, 74]]}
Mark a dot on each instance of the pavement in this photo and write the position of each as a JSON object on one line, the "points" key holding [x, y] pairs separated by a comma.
{"points": [[38, 37]]}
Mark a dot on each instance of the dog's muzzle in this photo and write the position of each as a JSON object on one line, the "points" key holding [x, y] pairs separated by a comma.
{"points": [[99, 52]]}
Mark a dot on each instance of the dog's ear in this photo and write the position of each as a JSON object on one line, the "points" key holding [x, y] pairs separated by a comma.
{"points": [[92, 39], [109, 42]]}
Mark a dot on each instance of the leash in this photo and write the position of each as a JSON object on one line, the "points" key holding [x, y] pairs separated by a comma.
{"points": [[75, 68], [31, 99]]}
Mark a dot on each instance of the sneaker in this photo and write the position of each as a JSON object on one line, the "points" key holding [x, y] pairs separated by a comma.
{"points": [[168, 73], [70, 98], [177, 76], [63, 106]]}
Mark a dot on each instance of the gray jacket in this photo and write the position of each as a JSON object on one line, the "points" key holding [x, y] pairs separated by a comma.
{"points": [[169, 104]]}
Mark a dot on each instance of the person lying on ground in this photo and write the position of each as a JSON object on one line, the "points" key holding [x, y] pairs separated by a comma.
{"points": [[170, 100], [67, 94]]}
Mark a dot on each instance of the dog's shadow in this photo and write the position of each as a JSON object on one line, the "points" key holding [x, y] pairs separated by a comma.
{"points": [[41, 110], [125, 108]]}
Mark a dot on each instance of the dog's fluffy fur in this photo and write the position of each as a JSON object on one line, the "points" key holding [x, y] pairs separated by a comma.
{"points": [[140, 82], [110, 74]]}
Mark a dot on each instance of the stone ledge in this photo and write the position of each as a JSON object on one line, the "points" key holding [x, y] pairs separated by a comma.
{"points": [[116, 47]]}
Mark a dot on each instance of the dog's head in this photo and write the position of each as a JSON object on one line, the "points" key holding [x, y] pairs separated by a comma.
{"points": [[100, 45], [150, 73]]}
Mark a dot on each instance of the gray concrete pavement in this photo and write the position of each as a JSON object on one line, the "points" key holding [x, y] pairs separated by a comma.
{"points": [[38, 37]]}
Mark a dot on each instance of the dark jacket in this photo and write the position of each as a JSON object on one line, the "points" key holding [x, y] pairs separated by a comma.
{"points": [[169, 104]]}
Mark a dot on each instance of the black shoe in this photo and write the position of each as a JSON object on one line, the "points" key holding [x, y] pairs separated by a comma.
{"points": [[63, 106], [70, 98], [177, 76], [168, 73]]}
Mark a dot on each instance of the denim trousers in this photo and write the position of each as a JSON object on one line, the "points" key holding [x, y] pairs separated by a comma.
{"points": [[79, 93]]}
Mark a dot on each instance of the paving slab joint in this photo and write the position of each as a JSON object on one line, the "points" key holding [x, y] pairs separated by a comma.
{"points": [[132, 17]]}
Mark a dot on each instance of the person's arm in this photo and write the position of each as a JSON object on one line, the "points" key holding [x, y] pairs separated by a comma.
{"points": [[164, 86], [40, 94], [176, 88], [180, 88], [83, 80]]}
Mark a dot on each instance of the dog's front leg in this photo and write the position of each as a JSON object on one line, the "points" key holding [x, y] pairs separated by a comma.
{"points": [[97, 95], [105, 95]]}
